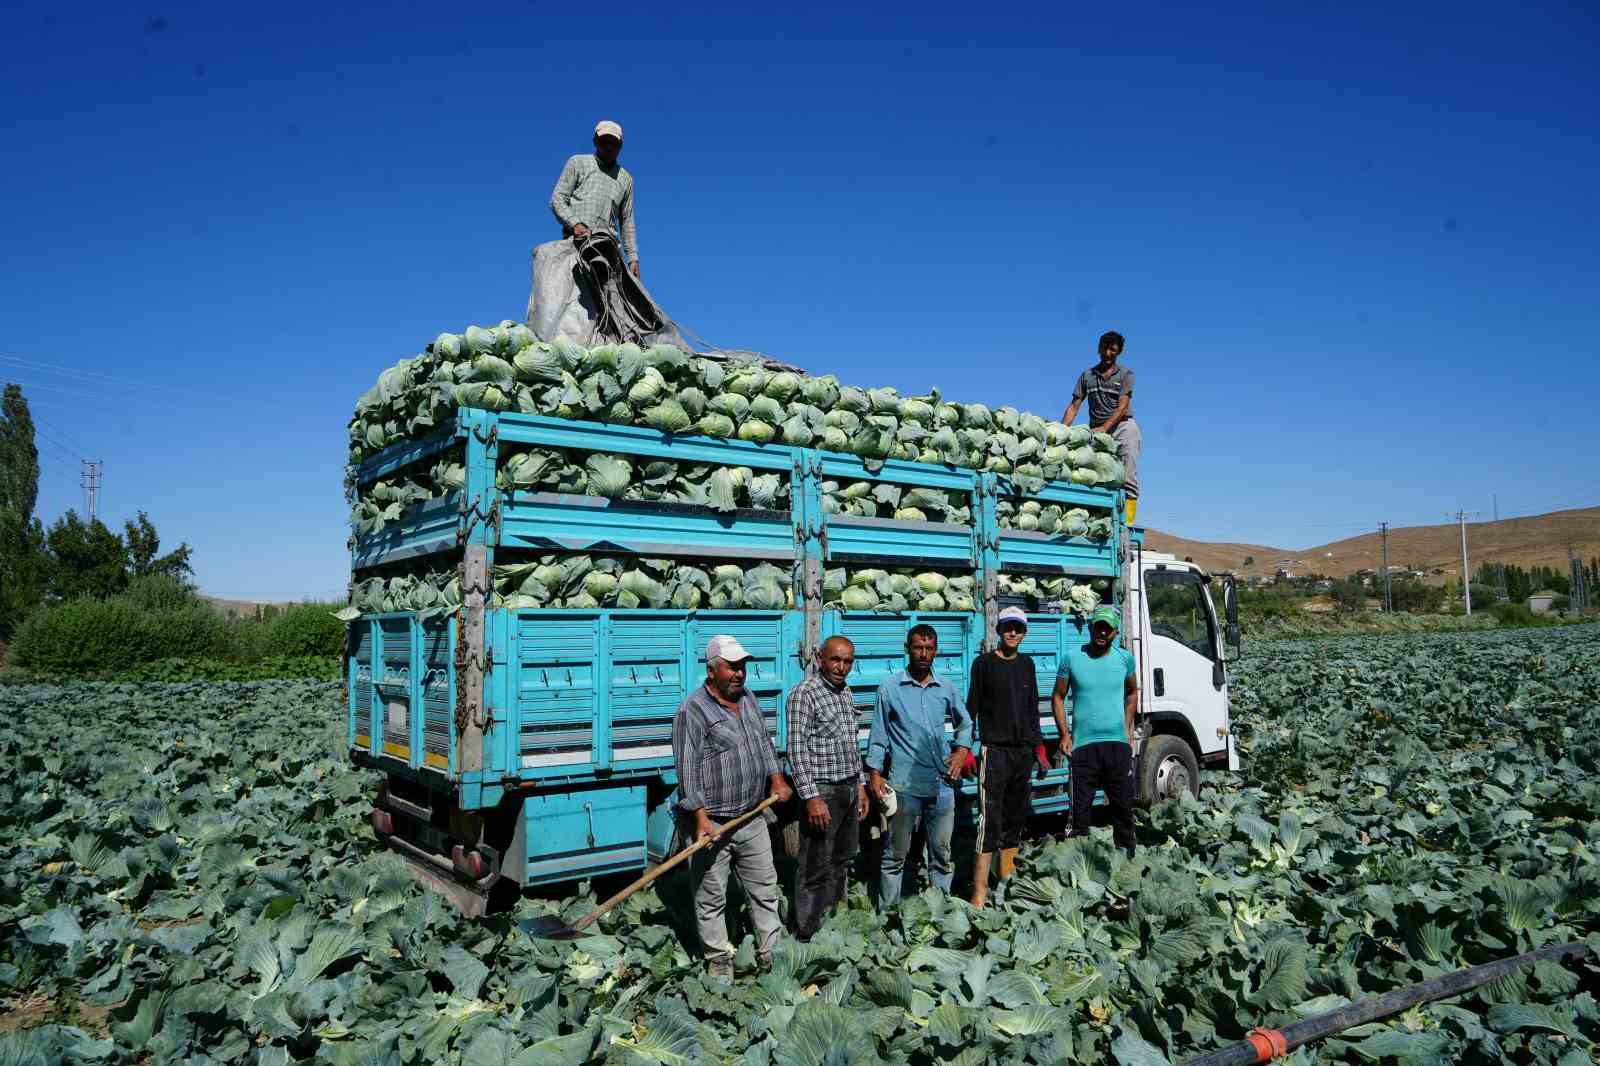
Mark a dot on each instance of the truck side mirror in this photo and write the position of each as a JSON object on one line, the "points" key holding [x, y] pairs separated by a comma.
{"points": [[1230, 610]]}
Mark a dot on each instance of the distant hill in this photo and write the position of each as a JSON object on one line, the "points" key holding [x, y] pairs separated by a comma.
{"points": [[1538, 540]]}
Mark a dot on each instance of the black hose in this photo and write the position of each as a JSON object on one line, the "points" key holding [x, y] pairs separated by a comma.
{"points": [[1374, 1007]]}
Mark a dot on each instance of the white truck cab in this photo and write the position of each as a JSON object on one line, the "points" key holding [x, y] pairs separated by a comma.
{"points": [[1182, 651]]}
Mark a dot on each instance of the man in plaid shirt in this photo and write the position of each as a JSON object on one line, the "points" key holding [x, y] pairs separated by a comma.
{"points": [[726, 765], [825, 757]]}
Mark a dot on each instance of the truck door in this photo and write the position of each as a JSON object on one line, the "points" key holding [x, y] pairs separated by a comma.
{"points": [[1188, 690]]}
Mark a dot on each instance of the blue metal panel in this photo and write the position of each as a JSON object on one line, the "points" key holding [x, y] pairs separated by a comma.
{"points": [[360, 732], [918, 543], [640, 440], [880, 643], [397, 456], [392, 688], [422, 530], [553, 696], [1067, 555], [770, 673], [547, 521], [650, 671], [438, 694], [898, 471], [584, 832], [1062, 492]]}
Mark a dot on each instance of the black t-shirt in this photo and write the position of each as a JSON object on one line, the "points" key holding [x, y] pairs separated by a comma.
{"points": [[1003, 697]]}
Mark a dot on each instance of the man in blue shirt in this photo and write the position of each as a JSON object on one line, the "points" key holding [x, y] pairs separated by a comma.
{"points": [[1104, 684], [907, 752]]}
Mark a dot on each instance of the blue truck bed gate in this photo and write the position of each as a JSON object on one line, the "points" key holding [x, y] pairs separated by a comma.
{"points": [[578, 704]]}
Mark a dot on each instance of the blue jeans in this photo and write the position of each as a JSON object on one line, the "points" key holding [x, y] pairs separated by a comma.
{"points": [[938, 815]]}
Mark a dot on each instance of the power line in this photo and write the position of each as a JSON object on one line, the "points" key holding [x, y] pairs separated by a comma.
{"points": [[72, 372]]}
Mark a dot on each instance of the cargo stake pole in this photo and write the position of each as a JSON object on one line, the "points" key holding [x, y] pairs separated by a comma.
{"points": [[1267, 1044]]}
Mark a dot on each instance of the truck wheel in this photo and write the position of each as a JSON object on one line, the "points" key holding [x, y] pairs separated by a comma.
{"points": [[1169, 768]]}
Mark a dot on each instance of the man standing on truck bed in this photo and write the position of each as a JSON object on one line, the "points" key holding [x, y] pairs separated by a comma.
{"points": [[1109, 389], [726, 766], [1104, 684], [908, 745], [825, 755], [1003, 696]]}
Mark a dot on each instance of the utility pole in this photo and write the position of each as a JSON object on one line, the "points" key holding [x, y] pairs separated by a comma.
{"points": [[1466, 580], [1388, 597], [1578, 599], [1502, 593], [91, 488]]}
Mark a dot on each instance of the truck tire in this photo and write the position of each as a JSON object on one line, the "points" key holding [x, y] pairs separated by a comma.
{"points": [[1169, 766]]}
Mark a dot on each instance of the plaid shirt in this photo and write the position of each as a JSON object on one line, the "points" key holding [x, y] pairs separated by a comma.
{"points": [[724, 759], [585, 192], [823, 745]]}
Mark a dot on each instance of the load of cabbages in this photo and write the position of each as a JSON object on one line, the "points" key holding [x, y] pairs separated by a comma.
{"points": [[585, 582], [506, 368]]}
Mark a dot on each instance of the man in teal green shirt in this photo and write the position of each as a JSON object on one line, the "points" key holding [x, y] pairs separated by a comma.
{"points": [[1104, 685]]}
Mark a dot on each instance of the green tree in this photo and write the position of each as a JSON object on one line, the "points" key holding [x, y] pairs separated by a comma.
{"points": [[1350, 594], [19, 455], [144, 552], [23, 568], [85, 559]]}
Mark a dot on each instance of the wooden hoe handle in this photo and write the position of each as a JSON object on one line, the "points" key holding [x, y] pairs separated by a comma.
{"points": [[656, 871]]}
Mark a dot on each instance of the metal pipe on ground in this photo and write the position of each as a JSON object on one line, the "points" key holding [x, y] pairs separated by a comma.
{"points": [[1265, 1045]]}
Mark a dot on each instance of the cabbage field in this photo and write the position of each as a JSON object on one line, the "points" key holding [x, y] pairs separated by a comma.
{"points": [[188, 877]]}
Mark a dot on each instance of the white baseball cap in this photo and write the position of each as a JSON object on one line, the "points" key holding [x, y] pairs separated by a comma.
{"points": [[726, 648], [607, 128], [1012, 614]]}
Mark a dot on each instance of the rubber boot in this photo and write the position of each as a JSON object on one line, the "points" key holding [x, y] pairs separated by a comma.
{"points": [[980, 878], [1133, 508]]}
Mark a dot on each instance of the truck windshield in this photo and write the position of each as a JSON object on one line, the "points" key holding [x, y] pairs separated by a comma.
{"points": [[1178, 610]]}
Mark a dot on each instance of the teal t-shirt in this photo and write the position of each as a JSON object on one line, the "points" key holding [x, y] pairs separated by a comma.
{"points": [[1097, 694]]}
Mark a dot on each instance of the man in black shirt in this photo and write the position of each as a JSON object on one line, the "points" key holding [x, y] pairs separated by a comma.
{"points": [[1003, 697]]}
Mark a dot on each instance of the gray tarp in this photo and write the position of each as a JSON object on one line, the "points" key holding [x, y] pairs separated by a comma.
{"points": [[562, 305]]}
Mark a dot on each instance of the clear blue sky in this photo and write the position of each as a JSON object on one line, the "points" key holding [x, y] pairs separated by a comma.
{"points": [[1353, 248]]}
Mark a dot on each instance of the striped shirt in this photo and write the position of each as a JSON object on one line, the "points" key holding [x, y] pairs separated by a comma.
{"points": [[724, 760], [1104, 393], [823, 745], [601, 199]]}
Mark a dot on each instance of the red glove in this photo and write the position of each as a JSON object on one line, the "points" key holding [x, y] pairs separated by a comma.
{"points": [[1044, 761], [972, 764]]}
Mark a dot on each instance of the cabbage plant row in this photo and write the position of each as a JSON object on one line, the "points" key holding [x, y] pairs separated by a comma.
{"points": [[506, 368], [179, 886]]}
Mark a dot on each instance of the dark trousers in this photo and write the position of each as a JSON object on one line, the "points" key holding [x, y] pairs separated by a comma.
{"points": [[1107, 765], [1005, 796], [824, 868]]}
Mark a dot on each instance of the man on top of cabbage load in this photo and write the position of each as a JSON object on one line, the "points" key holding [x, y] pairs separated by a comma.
{"points": [[1109, 390], [581, 288]]}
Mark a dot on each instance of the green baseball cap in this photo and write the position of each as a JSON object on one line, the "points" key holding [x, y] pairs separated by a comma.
{"points": [[1109, 615]]}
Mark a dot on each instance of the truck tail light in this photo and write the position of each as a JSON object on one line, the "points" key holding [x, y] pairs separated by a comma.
{"points": [[469, 864], [382, 822]]}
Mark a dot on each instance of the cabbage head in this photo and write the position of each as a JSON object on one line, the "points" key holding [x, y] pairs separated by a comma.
{"points": [[782, 386], [668, 416], [647, 387], [853, 400], [820, 392], [692, 401], [538, 362], [608, 475], [766, 409], [747, 381], [757, 431], [715, 425]]}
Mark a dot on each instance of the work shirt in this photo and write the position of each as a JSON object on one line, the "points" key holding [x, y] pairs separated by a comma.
{"points": [[1104, 393], [908, 732], [823, 742], [1003, 697], [597, 196], [724, 760], [1097, 693]]}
